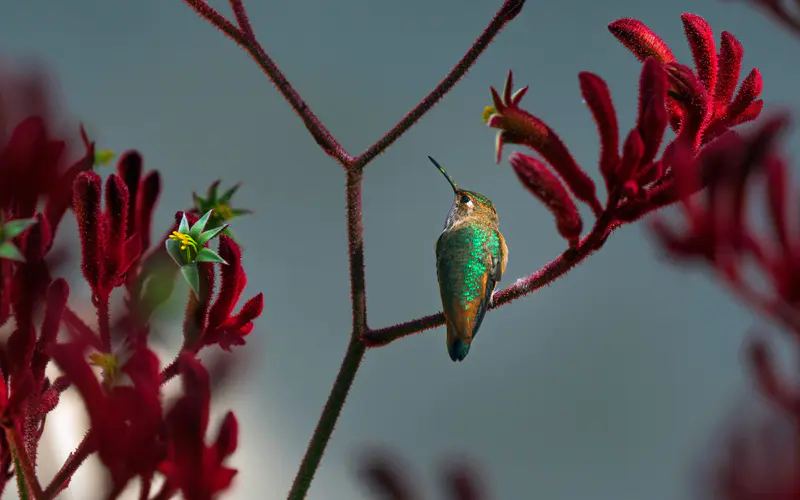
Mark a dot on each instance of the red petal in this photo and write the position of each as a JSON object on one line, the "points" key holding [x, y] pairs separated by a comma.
{"points": [[129, 168], [131, 251], [777, 198], [653, 116], [61, 199], [748, 92], [598, 98], [549, 145], [70, 358], [544, 185], [640, 40], [57, 295], [251, 310], [730, 65], [228, 436], [631, 156], [117, 206], [197, 309], [704, 52], [751, 113], [229, 289], [145, 204]]}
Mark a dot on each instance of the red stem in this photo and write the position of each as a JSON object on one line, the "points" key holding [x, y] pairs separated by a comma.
{"points": [[355, 348], [72, 464], [104, 323], [324, 138], [507, 12], [241, 18], [18, 451]]}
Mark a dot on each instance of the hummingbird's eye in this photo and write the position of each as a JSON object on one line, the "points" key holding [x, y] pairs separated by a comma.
{"points": [[464, 198]]}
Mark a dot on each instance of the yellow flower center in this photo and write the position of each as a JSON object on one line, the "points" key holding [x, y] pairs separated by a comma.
{"points": [[103, 157], [223, 212], [187, 242], [488, 111], [108, 363]]}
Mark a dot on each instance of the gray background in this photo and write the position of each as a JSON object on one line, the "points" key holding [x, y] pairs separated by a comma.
{"points": [[608, 384]]}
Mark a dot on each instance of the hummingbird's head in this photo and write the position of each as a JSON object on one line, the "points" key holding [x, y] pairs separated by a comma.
{"points": [[467, 205]]}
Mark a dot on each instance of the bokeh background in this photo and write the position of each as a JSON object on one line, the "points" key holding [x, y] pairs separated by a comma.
{"points": [[612, 383]]}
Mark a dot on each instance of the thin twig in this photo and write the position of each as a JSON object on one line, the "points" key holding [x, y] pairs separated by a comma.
{"points": [[507, 12], [355, 348], [321, 134]]}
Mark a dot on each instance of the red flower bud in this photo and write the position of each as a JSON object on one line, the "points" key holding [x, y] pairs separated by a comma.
{"points": [[545, 186], [730, 65], [640, 40], [86, 205], [704, 52], [598, 98]]}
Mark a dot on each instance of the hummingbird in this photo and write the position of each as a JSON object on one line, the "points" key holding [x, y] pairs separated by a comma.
{"points": [[471, 257]]}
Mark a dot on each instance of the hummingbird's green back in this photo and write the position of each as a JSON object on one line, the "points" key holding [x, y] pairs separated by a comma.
{"points": [[470, 259]]}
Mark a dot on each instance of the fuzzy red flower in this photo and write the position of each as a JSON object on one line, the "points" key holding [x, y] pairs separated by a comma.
{"points": [[702, 104], [192, 466], [210, 323], [126, 420]]}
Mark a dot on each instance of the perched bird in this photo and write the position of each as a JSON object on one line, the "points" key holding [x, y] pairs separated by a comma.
{"points": [[471, 256]]}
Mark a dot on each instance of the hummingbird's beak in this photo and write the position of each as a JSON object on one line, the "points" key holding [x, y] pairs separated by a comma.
{"points": [[446, 175]]}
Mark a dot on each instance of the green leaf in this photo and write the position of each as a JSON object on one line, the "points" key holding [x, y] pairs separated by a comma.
{"points": [[208, 255], [9, 251], [198, 202], [157, 288], [174, 251], [103, 157], [183, 227], [225, 199], [207, 235], [212, 191], [238, 212], [192, 276], [14, 227], [198, 226]]}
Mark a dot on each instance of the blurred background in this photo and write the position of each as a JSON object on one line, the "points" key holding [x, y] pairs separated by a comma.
{"points": [[616, 382]]}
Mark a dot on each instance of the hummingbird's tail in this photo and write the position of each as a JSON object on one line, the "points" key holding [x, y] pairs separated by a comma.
{"points": [[456, 347]]}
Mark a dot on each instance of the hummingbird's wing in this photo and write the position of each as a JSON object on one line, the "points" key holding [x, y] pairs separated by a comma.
{"points": [[499, 259], [469, 262]]}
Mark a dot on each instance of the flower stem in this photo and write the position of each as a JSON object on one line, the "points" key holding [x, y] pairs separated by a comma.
{"points": [[509, 10], [249, 43], [355, 348], [104, 323], [20, 456], [74, 461]]}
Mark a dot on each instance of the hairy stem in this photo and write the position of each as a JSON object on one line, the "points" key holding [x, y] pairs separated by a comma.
{"points": [[104, 323], [507, 12], [248, 42], [20, 455], [355, 348], [544, 276], [74, 461]]}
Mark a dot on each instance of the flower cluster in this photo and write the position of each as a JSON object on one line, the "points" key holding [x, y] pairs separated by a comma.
{"points": [[134, 433], [699, 105]]}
